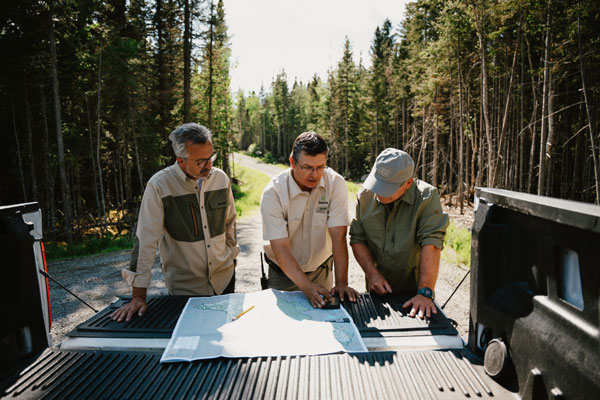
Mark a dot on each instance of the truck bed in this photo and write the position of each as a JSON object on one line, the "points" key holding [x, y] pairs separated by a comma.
{"points": [[446, 374]]}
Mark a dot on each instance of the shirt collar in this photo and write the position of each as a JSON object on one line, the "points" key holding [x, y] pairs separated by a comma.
{"points": [[409, 195]]}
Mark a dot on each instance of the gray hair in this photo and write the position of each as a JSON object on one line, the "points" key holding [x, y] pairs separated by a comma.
{"points": [[190, 132]]}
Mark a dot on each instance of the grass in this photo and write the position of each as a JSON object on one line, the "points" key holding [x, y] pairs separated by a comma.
{"points": [[353, 188], [457, 245], [87, 246], [248, 190]]}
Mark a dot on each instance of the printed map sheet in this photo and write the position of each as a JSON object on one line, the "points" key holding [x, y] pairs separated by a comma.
{"points": [[281, 323]]}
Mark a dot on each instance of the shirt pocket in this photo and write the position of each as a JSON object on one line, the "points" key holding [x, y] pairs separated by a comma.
{"points": [[319, 219], [216, 213]]}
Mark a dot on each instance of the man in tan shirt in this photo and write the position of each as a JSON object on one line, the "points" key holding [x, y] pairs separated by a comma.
{"points": [[305, 220], [188, 208]]}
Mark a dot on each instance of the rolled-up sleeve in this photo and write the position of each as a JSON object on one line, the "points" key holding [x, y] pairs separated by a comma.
{"points": [[274, 223], [149, 232], [357, 231], [432, 224]]}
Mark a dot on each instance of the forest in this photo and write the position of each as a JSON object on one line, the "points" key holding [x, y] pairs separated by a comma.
{"points": [[481, 93]]}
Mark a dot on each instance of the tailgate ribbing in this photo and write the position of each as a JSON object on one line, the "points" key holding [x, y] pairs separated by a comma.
{"points": [[372, 315], [380, 375]]}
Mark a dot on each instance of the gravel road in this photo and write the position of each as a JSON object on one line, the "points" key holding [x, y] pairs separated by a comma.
{"points": [[97, 279]]}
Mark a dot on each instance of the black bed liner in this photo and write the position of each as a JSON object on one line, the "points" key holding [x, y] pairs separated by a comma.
{"points": [[373, 315], [59, 374]]}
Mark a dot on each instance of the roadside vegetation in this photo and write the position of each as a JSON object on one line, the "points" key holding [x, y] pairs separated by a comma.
{"points": [[247, 189], [457, 245], [87, 246]]}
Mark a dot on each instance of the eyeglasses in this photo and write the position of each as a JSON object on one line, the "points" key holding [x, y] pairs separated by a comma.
{"points": [[319, 170], [203, 161]]}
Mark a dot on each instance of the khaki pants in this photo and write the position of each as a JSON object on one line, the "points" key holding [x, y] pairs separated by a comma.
{"points": [[323, 276]]}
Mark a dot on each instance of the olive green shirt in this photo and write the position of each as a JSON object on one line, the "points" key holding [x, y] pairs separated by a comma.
{"points": [[396, 233]]}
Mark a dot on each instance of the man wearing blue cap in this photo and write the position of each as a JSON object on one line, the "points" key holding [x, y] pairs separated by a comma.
{"points": [[397, 233]]}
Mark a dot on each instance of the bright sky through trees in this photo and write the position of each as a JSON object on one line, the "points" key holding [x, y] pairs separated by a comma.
{"points": [[302, 37]]}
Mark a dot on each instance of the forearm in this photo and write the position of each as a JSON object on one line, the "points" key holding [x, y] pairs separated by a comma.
{"points": [[287, 262], [363, 256], [340, 254], [429, 267]]}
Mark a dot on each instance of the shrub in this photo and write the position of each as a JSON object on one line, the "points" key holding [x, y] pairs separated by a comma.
{"points": [[459, 239]]}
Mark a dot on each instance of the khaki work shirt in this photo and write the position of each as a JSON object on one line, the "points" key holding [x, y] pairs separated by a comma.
{"points": [[195, 226], [304, 217], [395, 236]]}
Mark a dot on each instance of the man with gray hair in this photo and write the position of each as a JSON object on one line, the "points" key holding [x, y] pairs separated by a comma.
{"points": [[398, 232], [187, 207]]}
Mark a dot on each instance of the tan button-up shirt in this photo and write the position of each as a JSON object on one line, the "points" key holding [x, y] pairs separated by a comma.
{"points": [[195, 226], [304, 217]]}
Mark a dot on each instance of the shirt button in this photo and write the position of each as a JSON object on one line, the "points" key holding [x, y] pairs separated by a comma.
{"points": [[209, 245], [204, 226]]}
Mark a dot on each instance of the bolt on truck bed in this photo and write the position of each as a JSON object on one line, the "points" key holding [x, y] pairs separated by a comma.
{"points": [[517, 318]]}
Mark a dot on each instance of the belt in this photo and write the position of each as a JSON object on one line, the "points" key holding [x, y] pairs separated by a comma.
{"points": [[278, 269]]}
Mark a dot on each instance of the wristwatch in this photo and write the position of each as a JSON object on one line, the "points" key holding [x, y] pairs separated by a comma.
{"points": [[425, 291]]}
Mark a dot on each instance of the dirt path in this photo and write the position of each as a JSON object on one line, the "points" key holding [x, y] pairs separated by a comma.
{"points": [[97, 279]]}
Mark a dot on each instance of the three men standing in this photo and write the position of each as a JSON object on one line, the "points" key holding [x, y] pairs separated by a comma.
{"points": [[396, 235]]}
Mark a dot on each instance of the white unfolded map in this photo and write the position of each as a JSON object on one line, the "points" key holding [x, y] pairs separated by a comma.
{"points": [[281, 323]]}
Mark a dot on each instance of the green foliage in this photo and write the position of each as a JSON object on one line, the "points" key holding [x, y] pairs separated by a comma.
{"points": [[353, 188], [248, 189], [457, 245], [87, 246]]}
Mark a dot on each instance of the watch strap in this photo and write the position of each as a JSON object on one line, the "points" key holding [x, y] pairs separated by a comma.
{"points": [[426, 292]]}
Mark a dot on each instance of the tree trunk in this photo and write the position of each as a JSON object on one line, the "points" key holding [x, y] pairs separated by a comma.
{"points": [[209, 90], [34, 188], [98, 140], [532, 124], [64, 184], [19, 160], [136, 150], [187, 61], [460, 140], [506, 106], [491, 162], [550, 139], [589, 116], [48, 177], [93, 158], [542, 159]]}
